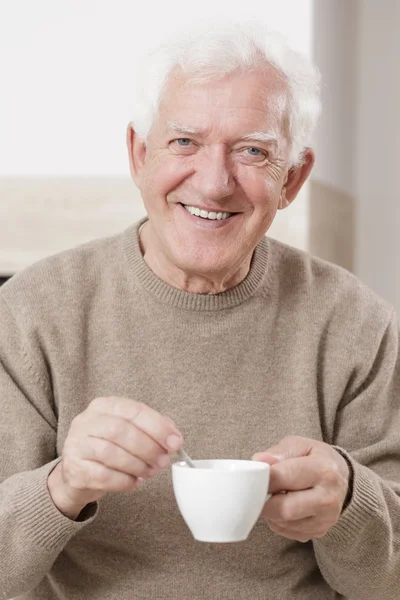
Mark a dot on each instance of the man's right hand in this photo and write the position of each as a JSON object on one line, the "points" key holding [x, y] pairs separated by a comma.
{"points": [[110, 447]]}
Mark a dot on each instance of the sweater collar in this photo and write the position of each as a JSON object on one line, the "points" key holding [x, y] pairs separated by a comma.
{"points": [[167, 294]]}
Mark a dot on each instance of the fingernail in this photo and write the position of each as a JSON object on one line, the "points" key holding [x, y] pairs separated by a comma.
{"points": [[257, 456], [174, 442], [263, 457], [163, 460]]}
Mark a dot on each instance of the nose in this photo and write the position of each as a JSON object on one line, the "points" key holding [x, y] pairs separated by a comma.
{"points": [[213, 174]]}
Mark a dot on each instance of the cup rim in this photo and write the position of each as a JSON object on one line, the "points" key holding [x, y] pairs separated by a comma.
{"points": [[248, 465]]}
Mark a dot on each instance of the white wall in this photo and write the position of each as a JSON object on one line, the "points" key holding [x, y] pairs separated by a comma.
{"points": [[336, 51], [378, 144], [65, 98], [65, 83], [357, 48]]}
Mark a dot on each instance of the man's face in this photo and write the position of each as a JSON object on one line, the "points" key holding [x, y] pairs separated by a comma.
{"points": [[196, 159]]}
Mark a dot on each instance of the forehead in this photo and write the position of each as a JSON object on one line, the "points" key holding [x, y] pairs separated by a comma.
{"points": [[232, 105]]}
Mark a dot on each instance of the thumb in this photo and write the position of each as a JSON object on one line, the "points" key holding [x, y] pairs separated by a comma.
{"points": [[292, 446], [268, 457]]}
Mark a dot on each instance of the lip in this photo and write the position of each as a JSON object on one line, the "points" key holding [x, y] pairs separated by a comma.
{"points": [[202, 223]]}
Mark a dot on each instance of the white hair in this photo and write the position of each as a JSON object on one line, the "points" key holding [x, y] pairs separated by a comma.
{"points": [[211, 51]]}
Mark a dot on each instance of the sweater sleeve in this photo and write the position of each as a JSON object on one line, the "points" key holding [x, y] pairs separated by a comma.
{"points": [[360, 556], [32, 531]]}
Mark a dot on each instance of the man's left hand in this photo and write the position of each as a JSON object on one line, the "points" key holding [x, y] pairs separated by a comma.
{"points": [[309, 481]]}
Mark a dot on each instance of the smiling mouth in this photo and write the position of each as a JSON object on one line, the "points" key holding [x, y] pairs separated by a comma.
{"points": [[205, 214]]}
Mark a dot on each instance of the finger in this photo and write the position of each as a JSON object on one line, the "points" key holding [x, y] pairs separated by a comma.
{"points": [[146, 419], [290, 534], [271, 459], [306, 525], [125, 435], [292, 507], [94, 476], [290, 447], [112, 456], [294, 474]]}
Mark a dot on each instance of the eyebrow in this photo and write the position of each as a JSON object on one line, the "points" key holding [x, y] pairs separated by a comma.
{"points": [[258, 136], [179, 128]]}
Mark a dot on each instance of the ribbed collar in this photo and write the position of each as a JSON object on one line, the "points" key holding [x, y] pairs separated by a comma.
{"points": [[177, 298]]}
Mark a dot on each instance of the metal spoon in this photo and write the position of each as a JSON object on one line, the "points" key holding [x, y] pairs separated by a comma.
{"points": [[183, 456]]}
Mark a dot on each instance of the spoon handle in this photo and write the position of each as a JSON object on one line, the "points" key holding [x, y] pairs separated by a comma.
{"points": [[183, 456]]}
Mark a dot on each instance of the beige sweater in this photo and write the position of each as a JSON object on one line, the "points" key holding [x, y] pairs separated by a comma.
{"points": [[299, 347]]}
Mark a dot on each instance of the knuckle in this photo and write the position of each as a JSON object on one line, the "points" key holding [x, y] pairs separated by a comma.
{"points": [[152, 471], [328, 501], [116, 429], [139, 408], [129, 465], [135, 468], [128, 483], [102, 477], [330, 472], [286, 513], [102, 451], [97, 403], [143, 470], [331, 477]]}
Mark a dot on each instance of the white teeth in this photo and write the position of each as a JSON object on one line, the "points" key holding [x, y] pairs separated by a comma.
{"points": [[207, 215]]}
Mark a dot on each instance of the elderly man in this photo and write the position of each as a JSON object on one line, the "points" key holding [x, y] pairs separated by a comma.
{"points": [[192, 325]]}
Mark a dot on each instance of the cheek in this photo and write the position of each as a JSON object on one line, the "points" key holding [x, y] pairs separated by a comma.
{"points": [[162, 177], [262, 193]]}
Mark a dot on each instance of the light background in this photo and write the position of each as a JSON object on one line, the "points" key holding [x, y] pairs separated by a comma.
{"points": [[66, 71]]}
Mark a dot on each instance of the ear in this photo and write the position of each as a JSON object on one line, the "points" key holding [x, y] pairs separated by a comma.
{"points": [[295, 178], [136, 153]]}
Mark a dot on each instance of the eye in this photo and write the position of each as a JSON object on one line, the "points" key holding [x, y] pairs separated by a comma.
{"points": [[255, 151], [184, 142]]}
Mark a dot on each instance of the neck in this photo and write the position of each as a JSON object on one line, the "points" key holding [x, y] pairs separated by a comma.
{"points": [[193, 282]]}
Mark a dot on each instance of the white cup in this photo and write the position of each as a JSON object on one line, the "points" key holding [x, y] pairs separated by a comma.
{"points": [[221, 500]]}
